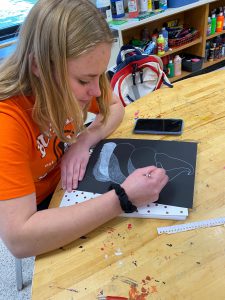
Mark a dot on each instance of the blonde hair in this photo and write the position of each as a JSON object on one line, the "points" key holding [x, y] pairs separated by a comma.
{"points": [[54, 31]]}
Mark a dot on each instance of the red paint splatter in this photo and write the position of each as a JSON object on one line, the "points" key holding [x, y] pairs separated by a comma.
{"points": [[134, 294], [129, 226]]}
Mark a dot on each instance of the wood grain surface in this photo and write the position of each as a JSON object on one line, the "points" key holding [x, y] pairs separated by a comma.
{"points": [[126, 257]]}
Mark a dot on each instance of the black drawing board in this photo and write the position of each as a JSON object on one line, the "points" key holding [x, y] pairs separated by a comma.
{"points": [[112, 160]]}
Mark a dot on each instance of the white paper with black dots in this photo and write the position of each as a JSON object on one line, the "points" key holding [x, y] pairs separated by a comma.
{"points": [[153, 210], [191, 226]]}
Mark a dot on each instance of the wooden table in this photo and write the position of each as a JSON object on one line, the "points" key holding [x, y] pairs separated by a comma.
{"points": [[187, 265]]}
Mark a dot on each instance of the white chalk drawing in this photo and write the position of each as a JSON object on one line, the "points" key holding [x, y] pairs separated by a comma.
{"points": [[107, 167], [101, 168]]}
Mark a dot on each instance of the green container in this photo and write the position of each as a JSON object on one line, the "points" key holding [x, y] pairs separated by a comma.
{"points": [[213, 24], [170, 69]]}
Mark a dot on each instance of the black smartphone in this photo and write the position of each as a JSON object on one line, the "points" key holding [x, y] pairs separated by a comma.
{"points": [[159, 126]]}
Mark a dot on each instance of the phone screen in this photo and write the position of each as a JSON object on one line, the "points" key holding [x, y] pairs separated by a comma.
{"points": [[159, 126]]}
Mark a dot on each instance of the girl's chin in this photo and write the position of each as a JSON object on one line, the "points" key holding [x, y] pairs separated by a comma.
{"points": [[82, 105]]}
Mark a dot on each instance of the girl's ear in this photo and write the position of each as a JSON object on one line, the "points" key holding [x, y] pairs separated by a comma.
{"points": [[34, 67]]}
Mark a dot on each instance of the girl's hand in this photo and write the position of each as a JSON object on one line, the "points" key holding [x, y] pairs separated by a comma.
{"points": [[144, 185], [73, 166]]}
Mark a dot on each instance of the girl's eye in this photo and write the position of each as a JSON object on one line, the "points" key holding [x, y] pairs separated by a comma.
{"points": [[83, 82]]}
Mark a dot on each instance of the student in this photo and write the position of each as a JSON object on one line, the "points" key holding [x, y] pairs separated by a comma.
{"points": [[56, 75]]}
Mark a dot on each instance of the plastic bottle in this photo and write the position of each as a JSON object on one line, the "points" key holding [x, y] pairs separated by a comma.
{"points": [[156, 4], [219, 22], [170, 69], [150, 48], [149, 5], [160, 45], [177, 65], [155, 36], [117, 7], [220, 51], [211, 53], [163, 4], [209, 26], [165, 35], [213, 24], [216, 51], [143, 6], [105, 8], [224, 18], [132, 8], [223, 50]]}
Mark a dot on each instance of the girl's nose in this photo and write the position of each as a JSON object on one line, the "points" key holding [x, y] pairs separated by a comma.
{"points": [[95, 90]]}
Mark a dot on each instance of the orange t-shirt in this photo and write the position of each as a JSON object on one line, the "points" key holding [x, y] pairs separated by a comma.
{"points": [[29, 160]]}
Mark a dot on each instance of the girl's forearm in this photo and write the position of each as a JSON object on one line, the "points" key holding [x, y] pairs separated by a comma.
{"points": [[53, 228], [98, 131]]}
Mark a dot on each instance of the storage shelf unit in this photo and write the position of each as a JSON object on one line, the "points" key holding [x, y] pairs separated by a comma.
{"points": [[194, 15], [178, 49], [211, 36]]}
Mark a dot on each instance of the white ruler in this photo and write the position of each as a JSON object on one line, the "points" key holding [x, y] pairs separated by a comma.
{"points": [[191, 226]]}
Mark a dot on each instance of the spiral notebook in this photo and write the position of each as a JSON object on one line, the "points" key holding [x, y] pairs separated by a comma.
{"points": [[113, 160]]}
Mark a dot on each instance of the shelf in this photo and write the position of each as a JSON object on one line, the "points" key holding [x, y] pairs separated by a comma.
{"points": [[130, 23], [211, 63], [205, 65], [183, 74], [209, 37], [177, 49], [194, 15]]}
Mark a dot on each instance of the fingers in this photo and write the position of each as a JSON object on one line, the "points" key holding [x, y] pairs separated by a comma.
{"points": [[159, 176], [164, 181], [71, 175], [66, 177], [158, 173], [74, 177], [73, 166], [153, 172], [82, 171], [148, 170], [78, 174], [63, 177]]}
